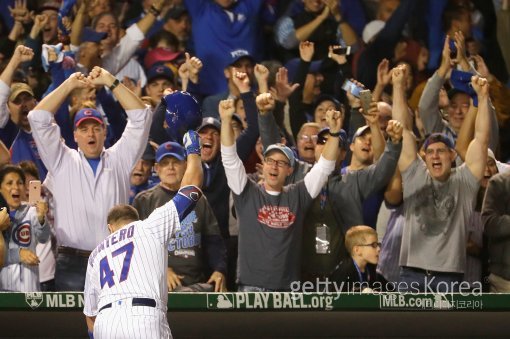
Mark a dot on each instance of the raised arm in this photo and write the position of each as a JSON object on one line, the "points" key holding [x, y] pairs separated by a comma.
{"points": [[55, 99], [466, 132], [375, 177], [335, 122], [318, 175], [372, 119], [247, 140], [234, 169], [401, 114], [267, 124], [429, 100], [304, 32], [193, 175], [149, 19], [383, 79], [127, 99], [21, 54], [189, 192], [476, 155], [78, 24], [226, 109], [262, 75]]}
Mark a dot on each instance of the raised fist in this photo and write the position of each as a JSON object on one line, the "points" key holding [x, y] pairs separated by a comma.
{"points": [[191, 142]]}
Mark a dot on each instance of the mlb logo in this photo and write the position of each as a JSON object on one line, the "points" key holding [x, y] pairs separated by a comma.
{"points": [[221, 301], [34, 299]]}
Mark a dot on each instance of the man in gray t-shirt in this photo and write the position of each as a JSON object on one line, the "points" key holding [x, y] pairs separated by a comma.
{"points": [[438, 200], [271, 215]]}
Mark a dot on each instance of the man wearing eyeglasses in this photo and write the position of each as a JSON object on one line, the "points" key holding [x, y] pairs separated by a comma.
{"points": [[270, 214], [306, 141]]}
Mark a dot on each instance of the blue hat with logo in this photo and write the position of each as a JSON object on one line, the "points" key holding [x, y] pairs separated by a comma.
{"points": [[237, 55], [170, 149], [160, 71], [283, 149], [87, 114], [90, 35], [438, 137]]}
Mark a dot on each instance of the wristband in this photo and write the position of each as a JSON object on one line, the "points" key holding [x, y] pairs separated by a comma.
{"points": [[154, 11], [114, 85], [337, 134]]}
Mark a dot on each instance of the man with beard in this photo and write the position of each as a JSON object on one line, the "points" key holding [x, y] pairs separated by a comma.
{"points": [[15, 103]]}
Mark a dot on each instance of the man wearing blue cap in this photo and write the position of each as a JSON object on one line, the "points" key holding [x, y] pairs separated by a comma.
{"points": [[159, 78], [197, 250], [91, 179], [220, 29], [339, 204], [438, 200], [239, 60], [271, 215]]}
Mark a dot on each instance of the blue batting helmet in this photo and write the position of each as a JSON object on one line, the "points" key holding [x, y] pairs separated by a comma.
{"points": [[182, 114]]}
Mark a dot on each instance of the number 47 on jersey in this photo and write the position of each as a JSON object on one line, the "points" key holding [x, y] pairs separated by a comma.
{"points": [[106, 274]]}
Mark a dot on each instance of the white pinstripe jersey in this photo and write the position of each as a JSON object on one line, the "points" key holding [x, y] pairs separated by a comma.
{"points": [[132, 262]]}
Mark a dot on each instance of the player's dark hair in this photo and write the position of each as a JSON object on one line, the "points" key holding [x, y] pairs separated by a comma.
{"points": [[6, 169], [122, 213]]}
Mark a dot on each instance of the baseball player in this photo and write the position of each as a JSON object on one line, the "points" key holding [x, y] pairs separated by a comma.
{"points": [[125, 286]]}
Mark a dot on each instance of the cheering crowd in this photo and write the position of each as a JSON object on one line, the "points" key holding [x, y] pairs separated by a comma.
{"points": [[351, 141]]}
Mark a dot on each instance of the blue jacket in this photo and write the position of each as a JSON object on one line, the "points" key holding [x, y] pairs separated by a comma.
{"points": [[215, 36], [24, 148]]}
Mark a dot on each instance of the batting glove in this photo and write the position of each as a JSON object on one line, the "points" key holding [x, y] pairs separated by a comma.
{"points": [[191, 142]]}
